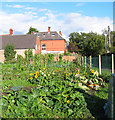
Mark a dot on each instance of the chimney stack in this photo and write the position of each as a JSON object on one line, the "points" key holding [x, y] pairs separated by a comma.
{"points": [[11, 32], [60, 32], [48, 29]]}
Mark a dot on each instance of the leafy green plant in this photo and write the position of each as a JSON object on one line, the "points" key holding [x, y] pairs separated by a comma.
{"points": [[20, 60], [50, 58], [66, 53], [9, 54], [52, 98], [51, 91], [28, 56]]}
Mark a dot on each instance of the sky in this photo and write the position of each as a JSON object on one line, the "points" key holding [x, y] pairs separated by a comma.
{"points": [[65, 16]]}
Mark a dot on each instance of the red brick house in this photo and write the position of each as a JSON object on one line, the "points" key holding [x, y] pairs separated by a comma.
{"points": [[42, 42], [51, 42]]}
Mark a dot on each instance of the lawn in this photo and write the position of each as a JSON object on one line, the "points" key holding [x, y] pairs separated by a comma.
{"points": [[48, 89]]}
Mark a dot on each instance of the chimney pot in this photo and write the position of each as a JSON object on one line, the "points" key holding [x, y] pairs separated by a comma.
{"points": [[48, 29], [60, 32], [11, 31]]}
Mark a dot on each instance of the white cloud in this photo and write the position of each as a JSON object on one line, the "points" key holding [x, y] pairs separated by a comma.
{"points": [[30, 8], [30, 12], [20, 6], [42, 10], [15, 6], [68, 23]]}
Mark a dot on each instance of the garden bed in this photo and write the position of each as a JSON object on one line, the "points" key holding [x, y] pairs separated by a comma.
{"points": [[60, 90]]}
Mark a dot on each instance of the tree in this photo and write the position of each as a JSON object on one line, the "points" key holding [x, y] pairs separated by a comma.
{"points": [[93, 45], [72, 47], [78, 39], [112, 34], [88, 43], [9, 53], [31, 30]]}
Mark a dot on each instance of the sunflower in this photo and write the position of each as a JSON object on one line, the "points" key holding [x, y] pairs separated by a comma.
{"points": [[31, 74], [68, 101], [92, 71], [36, 76]]}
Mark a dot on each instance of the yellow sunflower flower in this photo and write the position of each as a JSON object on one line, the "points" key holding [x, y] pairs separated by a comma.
{"points": [[31, 78], [36, 76], [37, 72], [68, 101], [92, 71], [31, 74]]}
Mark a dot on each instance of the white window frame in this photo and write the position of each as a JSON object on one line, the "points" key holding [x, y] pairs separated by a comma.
{"points": [[44, 47], [53, 34]]}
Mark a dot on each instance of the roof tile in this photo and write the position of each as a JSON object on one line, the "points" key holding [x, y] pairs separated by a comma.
{"points": [[19, 41]]}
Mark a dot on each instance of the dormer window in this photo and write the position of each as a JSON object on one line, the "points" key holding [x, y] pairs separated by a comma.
{"points": [[43, 35], [53, 34]]}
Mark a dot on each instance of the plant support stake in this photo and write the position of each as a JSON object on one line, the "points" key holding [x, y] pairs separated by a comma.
{"points": [[100, 64], [90, 61], [112, 63], [85, 62]]}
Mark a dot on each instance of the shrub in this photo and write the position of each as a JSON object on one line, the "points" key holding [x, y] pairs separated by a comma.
{"points": [[50, 58], [66, 53], [19, 60], [105, 77], [60, 57], [28, 55], [9, 54]]}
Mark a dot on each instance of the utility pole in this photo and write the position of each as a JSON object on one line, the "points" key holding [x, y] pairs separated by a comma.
{"points": [[105, 43], [109, 39]]}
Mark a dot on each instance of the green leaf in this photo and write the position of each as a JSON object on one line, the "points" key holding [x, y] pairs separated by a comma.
{"points": [[70, 111]]}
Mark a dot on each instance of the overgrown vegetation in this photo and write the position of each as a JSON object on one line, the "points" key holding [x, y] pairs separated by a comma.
{"points": [[9, 54], [90, 43], [43, 88]]}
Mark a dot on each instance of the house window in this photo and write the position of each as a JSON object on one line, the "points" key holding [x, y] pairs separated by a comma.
{"points": [[43, 46], [43, 35], [53, 34]]}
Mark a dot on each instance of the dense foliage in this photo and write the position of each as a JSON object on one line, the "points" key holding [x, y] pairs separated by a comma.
{"points": [[9, 53], [72, 47], [31, 30], [48, 89], [87, 43], [112, 41]]}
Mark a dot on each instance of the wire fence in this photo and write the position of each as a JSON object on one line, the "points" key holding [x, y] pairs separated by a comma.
{"points": [[106, 61]]}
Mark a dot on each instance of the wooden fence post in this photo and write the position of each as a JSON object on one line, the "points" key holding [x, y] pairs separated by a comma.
{"points": [[112, 63], [85, 62], [82, 60], [100, 64], [90, 62], [45, 60]]}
